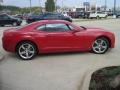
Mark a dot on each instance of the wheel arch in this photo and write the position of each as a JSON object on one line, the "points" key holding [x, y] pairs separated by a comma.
{"points": [[18, 43], [109, 40]]}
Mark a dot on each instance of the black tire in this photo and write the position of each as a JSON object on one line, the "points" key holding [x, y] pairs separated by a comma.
{"points": [[18, 24], [97, 17], [105, 44], [24, 56], [106, 16], [15, 24], [2, 25]]}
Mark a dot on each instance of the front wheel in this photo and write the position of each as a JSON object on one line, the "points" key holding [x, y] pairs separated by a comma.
{"points": [[26, 50], [100, 45]]}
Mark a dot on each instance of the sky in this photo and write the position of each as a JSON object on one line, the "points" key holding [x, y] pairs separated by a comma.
{"points": [[71, 3]]}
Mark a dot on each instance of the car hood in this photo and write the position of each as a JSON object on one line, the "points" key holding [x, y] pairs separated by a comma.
{"points": [[94, 29]]}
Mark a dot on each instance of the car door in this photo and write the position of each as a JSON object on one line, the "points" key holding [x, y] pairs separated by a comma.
{"points": [[2, 19], [57, 37], [7, 20]]}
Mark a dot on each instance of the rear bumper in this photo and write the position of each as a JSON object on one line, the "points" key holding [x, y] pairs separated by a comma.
{"points": [[8, 44], [112, 41]]}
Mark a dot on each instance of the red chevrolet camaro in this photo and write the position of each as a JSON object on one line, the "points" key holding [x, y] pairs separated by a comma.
{"points": [[50, 36]]}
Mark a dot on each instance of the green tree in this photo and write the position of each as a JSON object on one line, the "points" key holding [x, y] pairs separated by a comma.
{"points": [[36, 10], [17, 10], [50, 5], [12, 9]]}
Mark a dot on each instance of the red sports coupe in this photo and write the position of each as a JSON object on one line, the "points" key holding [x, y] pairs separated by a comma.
{"points": [[50, 36]]}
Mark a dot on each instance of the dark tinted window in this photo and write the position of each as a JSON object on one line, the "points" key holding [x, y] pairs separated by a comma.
{"points": [[54, 27], [51, 16], [57, 27], [34, 16], [41, 27], [4, 16], [1, 16]]}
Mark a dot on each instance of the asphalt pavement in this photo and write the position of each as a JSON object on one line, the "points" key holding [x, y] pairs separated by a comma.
{"points": [[66, 71], [1, 57]]}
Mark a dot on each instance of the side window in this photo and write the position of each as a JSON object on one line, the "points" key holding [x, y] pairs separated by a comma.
{"points": [[57, 27], [1, 16], [50, 16], [41, 27], [5, 17], [71, 27]]}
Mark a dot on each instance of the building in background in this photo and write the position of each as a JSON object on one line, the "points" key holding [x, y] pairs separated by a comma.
{"points": [[86, 6], [89, 7]]}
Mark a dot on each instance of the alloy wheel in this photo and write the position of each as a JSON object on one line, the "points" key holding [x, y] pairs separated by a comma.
{"points": [[26, 51], [100, 46]]}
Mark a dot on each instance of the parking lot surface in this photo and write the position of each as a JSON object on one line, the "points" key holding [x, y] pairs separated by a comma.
{"points": [[66, 71]]}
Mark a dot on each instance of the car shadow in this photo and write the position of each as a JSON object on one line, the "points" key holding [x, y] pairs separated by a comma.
{"points": [[62, 54], [13, 56], [71, 53]]}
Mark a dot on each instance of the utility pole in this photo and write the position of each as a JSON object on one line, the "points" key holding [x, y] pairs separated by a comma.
{"points": [[40, 6], [62, 6], [62, 3], [105, 5], [30, 7], [114, 7], [55, 5]]}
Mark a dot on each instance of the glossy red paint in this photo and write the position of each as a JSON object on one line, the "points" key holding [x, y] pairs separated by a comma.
{"points": [[78, 39]]}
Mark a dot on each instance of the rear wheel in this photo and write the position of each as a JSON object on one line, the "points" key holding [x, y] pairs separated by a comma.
{"points": [[2, 25], [100, 45], [18, 24], [15, 24], [98, 17], [106, 16], [26, 50]]}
